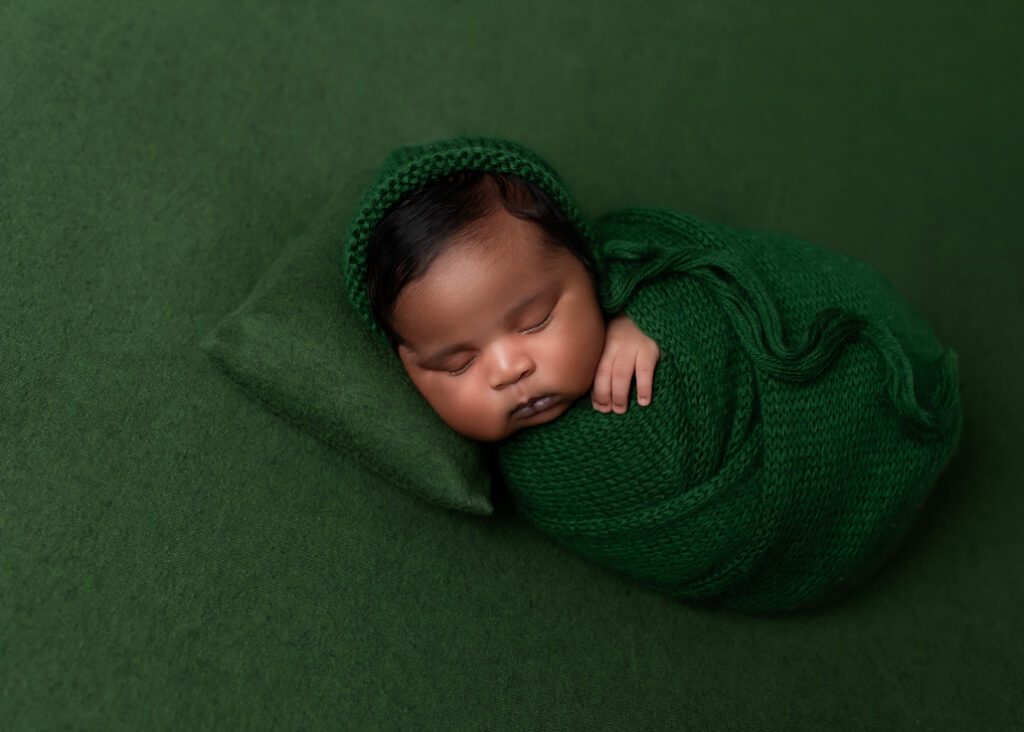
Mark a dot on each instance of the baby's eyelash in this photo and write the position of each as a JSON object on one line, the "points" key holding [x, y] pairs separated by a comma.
{"points": [[540, 325], [462, 369]]}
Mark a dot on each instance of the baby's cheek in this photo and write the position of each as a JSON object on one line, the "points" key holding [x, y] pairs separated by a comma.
{"points": [[438, 390], [577, 373], [472, 409], [588, 354]]}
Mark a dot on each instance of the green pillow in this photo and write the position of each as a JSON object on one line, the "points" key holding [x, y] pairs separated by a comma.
{"points": [[297, 345]]}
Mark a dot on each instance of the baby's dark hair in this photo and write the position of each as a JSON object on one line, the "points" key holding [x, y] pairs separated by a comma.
{"points": [[417, 229]]}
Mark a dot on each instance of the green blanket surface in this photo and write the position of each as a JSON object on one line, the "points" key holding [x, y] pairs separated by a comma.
{"points": [[175, 557], [802, 412]]}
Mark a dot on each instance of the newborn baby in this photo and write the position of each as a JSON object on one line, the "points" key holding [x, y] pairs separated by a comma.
{"points": [[800, 412]]}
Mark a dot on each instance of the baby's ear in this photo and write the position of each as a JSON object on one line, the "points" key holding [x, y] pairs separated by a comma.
{"points": [[405, 354], [394, 340]]}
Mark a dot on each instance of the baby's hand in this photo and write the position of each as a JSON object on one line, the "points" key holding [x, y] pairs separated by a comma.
{"points": [[626, 350]]}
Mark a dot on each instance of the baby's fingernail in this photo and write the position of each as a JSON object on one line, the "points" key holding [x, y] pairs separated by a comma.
{"points": [[644, 401]]}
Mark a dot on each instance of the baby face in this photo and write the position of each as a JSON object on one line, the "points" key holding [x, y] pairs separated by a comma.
{"points": [[502, 332]]}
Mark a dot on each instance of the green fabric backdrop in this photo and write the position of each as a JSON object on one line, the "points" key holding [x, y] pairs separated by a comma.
{"points": [[174, 556]]}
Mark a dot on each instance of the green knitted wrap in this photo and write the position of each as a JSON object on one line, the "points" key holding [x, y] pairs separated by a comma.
{"points": [[801, 413], [801, 410]]}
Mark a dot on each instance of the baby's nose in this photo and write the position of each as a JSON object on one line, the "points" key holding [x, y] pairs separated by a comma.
{"points": [[510, 368]]}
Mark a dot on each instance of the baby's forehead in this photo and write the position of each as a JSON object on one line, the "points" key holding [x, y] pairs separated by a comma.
{"points": [[489, 230], [490, 276], [494, 252]]}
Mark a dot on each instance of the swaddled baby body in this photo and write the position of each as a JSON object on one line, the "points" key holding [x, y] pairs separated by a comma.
{"points": [[798, 410]]}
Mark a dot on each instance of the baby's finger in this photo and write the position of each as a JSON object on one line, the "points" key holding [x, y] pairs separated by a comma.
{"points": [[601, 392], [622, 377], [645, 378]]}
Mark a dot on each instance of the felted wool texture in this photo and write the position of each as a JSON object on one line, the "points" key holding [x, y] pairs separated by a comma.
{"points": [[801, 412], [298, 346]]}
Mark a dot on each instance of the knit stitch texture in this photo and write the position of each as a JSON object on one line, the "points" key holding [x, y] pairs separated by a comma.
{"points": [[801, 413]]}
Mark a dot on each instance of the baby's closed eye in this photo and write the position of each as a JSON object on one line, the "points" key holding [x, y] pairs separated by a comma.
{"points": [[538, 326]]}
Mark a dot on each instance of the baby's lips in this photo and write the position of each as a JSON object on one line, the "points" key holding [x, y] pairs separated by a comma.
{"points": [[535, 406]]}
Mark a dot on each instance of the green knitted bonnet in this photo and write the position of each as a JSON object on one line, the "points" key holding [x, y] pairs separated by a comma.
{"points": [[408, 168]]}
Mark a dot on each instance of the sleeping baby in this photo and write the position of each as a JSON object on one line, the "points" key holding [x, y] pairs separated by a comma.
{"points": [[789, 411], [488, 295]]}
